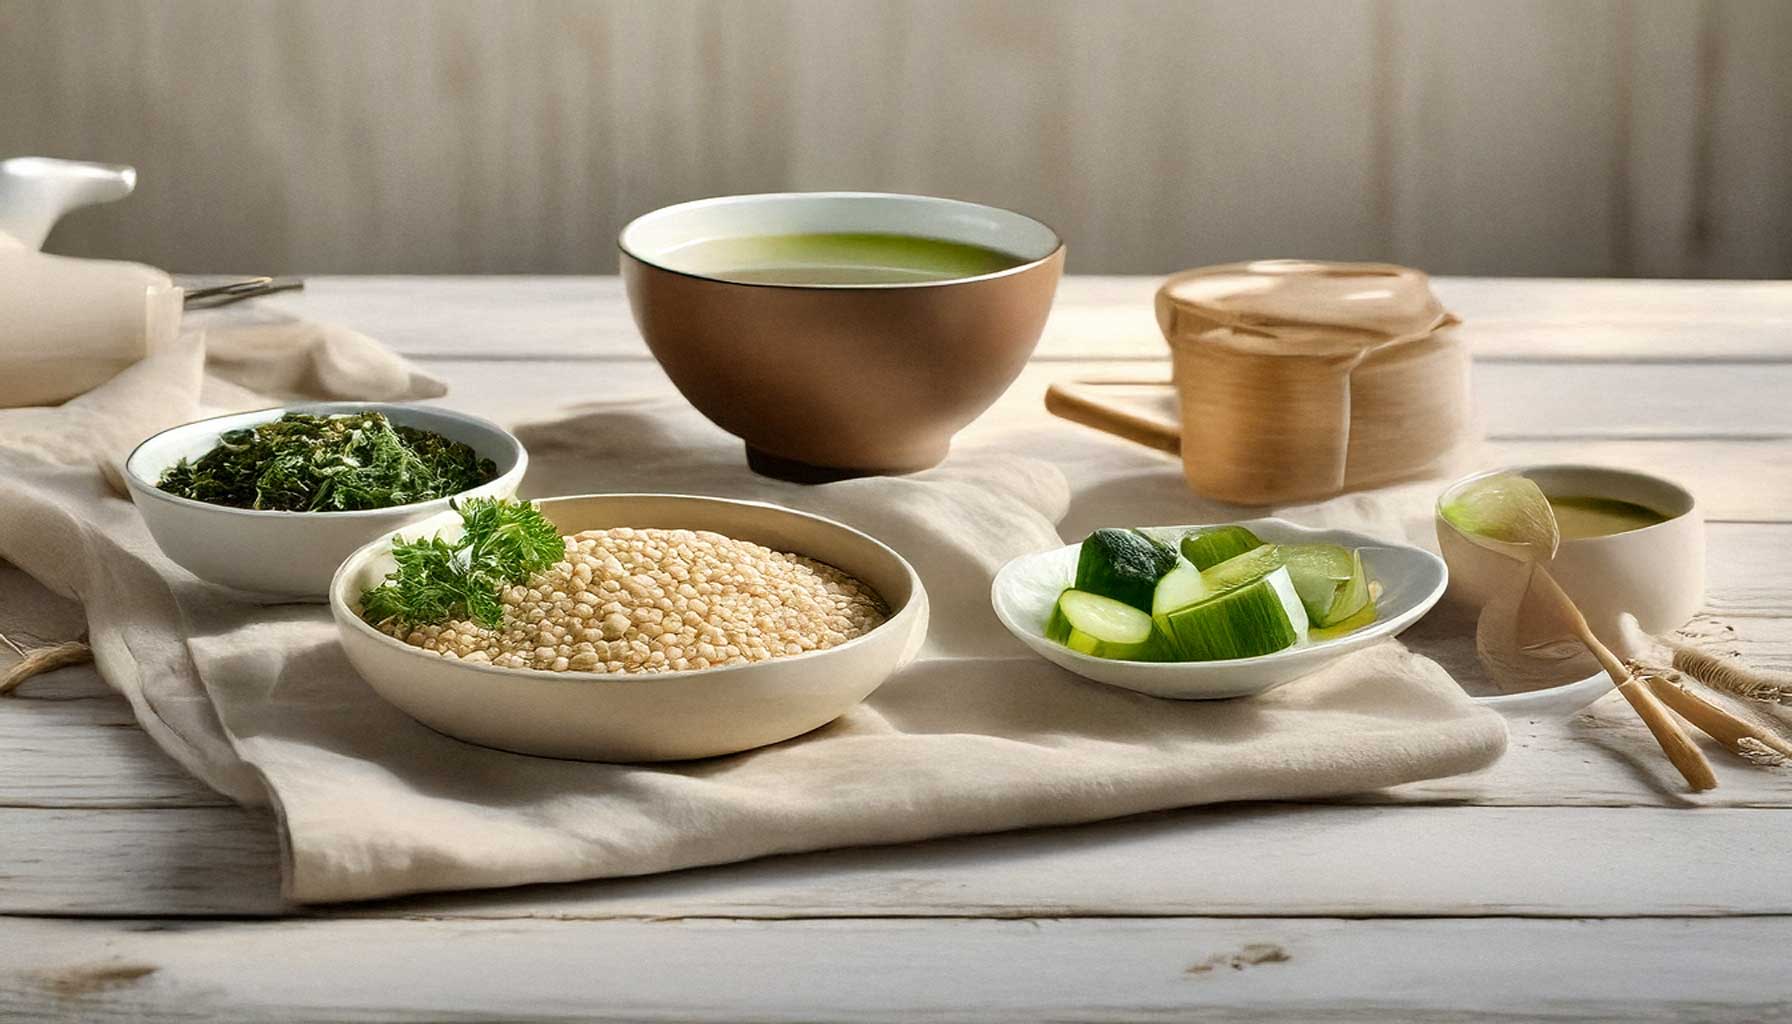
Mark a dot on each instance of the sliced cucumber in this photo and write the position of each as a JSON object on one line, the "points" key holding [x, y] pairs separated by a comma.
{"points": [[1364, 616], [1057, 627], [1103, 627], [1180, 587], [1243, 622], [1330, 580], [1208, 548], [1254, 564], [1124, 565], [1283, 582]]}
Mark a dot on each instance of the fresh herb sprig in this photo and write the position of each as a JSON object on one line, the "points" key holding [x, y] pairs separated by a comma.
{"points": [[502, 544], [306, 463]]}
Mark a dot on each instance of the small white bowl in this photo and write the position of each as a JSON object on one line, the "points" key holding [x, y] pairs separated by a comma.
{"points": [[1412, 580], [292, 554], [1656, 573], [1550, 701], [662, 716]]}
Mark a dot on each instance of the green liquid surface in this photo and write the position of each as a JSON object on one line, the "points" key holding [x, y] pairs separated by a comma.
{"points": [[839, 259], [1580, 517]]}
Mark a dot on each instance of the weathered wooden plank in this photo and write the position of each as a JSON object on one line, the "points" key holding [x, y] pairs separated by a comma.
{"points": [[1766, 642], [1094, 317], [1743, 476], [57, 751], [1248, 970], [1572, 402], [1540, 400], [1278, 859], [200, 861], [67, 742], [1747, 573]]}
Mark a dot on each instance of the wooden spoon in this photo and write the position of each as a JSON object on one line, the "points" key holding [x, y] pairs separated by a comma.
{"points": [[1679, 747]]}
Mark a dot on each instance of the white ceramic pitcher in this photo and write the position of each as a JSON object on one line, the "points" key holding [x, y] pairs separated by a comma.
{"points": [[67, 325], [35, 191]]}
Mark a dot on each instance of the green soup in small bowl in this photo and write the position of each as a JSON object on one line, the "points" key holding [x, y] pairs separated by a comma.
{"points": [[839, 257]]}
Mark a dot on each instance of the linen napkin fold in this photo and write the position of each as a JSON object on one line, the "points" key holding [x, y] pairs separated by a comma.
{"points": [[64, 521], [978, 735]]}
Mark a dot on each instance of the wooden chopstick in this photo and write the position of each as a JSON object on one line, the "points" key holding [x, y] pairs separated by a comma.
{"points": [[1685, 755], [1720, 724]]}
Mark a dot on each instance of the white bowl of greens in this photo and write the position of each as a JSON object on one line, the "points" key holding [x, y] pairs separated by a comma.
{"points": [[287, 552], [1181, 611]]}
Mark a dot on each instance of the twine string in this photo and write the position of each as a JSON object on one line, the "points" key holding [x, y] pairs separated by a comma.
{"points": [[35, 661]]}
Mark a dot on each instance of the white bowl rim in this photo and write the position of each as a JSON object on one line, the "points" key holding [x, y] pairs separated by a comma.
{"points": [[1418, 611], [1522, 469], [1523, 701], [340, 606], [146, 486], [622, 244]]}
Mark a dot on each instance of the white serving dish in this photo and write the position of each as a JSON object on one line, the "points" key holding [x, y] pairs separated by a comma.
{"points": [[662, 716], [1550, 701], [292, 554], [1412, 580]]}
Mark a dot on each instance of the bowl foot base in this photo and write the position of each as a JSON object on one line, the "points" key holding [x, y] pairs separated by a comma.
{"points": [[779, 468]]}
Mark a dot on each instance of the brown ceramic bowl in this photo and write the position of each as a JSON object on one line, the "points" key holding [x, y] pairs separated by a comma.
{"points": [[831, 381]]}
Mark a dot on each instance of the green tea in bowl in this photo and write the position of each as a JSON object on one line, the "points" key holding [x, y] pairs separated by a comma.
{"points": [[1581, 516], [841, 258]]}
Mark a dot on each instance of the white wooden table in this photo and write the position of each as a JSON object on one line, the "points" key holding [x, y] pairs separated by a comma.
{"points": [[1573, 880]]}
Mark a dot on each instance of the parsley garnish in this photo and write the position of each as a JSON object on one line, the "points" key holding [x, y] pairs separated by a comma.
{"points": [[502, 544], [305, 463]]}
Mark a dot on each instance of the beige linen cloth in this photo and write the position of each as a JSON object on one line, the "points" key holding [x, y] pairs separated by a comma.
{"points": [[978, 735]]}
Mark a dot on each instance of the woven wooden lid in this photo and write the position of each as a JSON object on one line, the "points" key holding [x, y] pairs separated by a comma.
{"points": [[1300, 307]]}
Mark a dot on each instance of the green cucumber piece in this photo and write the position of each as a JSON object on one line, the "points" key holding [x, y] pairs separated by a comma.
{"points": [[1103, 627], [1124, 565], [1330, 579], [1364, 616], [1180, 587], [1283, 584], [1245, 621], [1208, 548], [1057, 627], [1254, 564]]}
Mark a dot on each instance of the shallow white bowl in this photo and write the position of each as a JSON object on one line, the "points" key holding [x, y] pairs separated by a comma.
{"points": [[1550, 701], [1412, 580], [664, 716], [292, 554]]}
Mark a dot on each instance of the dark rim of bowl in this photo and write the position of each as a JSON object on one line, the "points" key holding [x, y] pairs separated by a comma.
{"points": [[1057, 248], [153, 489]]}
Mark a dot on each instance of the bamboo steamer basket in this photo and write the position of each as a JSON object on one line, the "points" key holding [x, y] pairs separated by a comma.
{"points": [[1299, 380]]}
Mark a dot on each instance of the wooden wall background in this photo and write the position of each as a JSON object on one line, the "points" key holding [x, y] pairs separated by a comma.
{"points": [[1563, 137]]}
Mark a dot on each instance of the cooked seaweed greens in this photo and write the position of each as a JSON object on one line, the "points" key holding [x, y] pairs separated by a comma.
{"points": [[344, 463], [502, 543]]}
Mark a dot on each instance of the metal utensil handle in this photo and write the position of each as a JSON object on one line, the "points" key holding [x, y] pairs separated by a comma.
{"points": [[215, 296]]}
